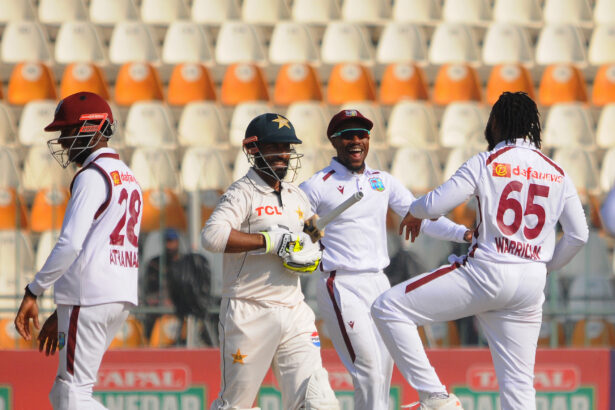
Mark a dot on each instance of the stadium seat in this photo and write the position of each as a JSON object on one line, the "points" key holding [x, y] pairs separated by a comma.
{"points": [[137, 82], [440, 335], [163, 12], [350, 82], [149, 124], [373, 111], [161, 208], [580, 165], [16, 10], [562, 83], [13, 212], [462, 123], [243, 82], [24, 41], [240, 165], [402, 81], [48, 209], [84, 77], [509, 77], [507, 43], [35, 116], [166, 331], [315, 11], [524, 12], [345, 42], [202, 123], [30, 82], [456, 82], [44, 245], [460, 154], [569, 125], [10, 339], [267, 12], [604, 11], [110, 12], [242, 115], [8, 132], [186, 42], [292, 42], [417, 11], [602, 45], [577, 12], [593, 332], [607, 170], [592, 260], [10, 175], [313, 160], [214, 11], [402, 43], [17, 267], [41, 170], [297, 82], [547, 329], [239, 42], [130, 335], [560, 43], [154, 168], [604, 86], [412, 124], [132, 41], [310, 119], [203, 168], [417, 169], [60, 11], [453, 43], [366, 11], [190, 82], [472, 12], [605, 137]]}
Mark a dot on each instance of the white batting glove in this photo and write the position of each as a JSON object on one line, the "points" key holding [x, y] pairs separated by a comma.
{"points": [[303, 255], [277, 239]]}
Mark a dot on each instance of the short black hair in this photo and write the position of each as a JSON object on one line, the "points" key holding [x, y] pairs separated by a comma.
{"points": [[514, 115]]}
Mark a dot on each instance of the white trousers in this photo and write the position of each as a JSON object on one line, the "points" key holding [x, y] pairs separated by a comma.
{"points": [[344, 302], [507, 300], [84, 334], [252, 339]]}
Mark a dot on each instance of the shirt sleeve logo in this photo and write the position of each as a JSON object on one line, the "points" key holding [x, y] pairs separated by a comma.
{"points": [[376, 184], [501, 170], [115, 177]]}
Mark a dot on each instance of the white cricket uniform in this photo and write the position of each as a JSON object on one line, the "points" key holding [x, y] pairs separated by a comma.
{"points": [[352, 277], [94, 270], [521, 196], [264, 320], [608, 212]]}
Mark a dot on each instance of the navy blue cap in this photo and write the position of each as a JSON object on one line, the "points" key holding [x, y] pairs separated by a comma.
{"points": [[271, 128], [171, 234]]}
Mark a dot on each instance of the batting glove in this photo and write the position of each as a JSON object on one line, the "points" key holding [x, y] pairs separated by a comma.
{"points": [[303, 255], [277, 239]]}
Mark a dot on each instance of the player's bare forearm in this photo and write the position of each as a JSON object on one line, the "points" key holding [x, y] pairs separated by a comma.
{"points": [[243, 242]]}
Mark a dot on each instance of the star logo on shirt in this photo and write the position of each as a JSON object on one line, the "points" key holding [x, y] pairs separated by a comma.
{"points": [[300, 213], [238, 357], [282, 122]]}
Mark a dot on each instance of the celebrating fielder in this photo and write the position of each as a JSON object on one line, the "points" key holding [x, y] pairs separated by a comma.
{"points": [[264, 321], [521, 195], [355, 254]]}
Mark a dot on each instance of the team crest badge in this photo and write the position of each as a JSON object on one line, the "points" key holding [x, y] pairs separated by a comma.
{"points": [[115, 176], [61, 340], [376, 184]]}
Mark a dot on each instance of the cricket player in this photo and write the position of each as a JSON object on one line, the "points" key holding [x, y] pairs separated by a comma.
{"points": [[264, 320], [94, 264], [355, 254], [522, 194]]}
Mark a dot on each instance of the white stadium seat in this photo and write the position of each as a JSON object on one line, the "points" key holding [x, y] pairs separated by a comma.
{"points": [[569, 125], [163, 12], [453, 43], [412, 124], [292, 42], [507, 43], [24, 41], [214, 12], [473, 12], [345, 42], [560, 43], [8, 132], [202, 123], [417, 169], [602, 45], [604, 11], [149, 123], [580, 166], [524, 12], [79, 42], [35, 116], [243, 114], [605, 137], [204, 168], [462, 123], [239, 42], [41, 170], [458, 155], [266, 12], [366, 11], [16, 10], [60, 11], [132, 41], [315, 11], [154, 168], [110, 12], [607, 171], [310, 119], [417, 11], [577, 12], [186, 42], [17, 267], [402, 42], [10, 175]]}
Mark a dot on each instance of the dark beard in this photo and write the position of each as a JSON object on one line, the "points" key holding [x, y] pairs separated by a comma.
{"points": [[80, 158]]}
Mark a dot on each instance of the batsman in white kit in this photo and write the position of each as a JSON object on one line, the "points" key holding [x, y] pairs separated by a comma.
{"points": [[264, 321], [93, 266], [355, 254], [521, 194]]}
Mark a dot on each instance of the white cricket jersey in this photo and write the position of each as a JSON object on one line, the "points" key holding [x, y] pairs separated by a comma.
{"points": [[521, 196], [96, 257], [356, 240], [250, 205]]}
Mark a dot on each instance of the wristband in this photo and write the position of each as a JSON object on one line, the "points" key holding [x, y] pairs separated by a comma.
{"points": [[29, 293], [267, 241]]}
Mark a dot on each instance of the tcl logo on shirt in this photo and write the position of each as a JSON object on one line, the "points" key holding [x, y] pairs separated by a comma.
{"points": [[501, 170], [268, 210]]}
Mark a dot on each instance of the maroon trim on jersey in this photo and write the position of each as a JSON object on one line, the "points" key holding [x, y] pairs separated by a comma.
{"points": [[328, 175], [72, 340], [553, 164], [433, 275], [338, 313], [105, 204], [498, 153], [480, 221]]}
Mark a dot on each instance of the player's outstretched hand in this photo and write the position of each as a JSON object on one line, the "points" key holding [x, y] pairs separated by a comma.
{"points": [[412, 225], [49, 335], [27, 310]]}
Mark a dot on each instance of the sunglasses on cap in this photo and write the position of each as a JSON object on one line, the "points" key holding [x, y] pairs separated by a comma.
{"points": [[350, 133]]}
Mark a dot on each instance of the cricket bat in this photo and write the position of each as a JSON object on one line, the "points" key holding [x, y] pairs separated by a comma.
{"points": [[315, 225]]}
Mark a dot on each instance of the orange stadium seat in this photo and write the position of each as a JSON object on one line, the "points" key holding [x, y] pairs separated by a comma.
{"points": [[593, 332], [84, 77], [604, 86], [546, 330], [440, 335], [190, 82], [562, 83], [165, 331], [509, 77], [350, 82], [48, 209], [243, 82], [10, 339], [403, 81], [456, 82], [162, 208], [13, 213], [296, 82], [31, 81], [137, 82], [130, 335]]}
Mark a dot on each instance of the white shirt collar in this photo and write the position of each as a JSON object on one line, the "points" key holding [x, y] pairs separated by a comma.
{"points": [[342, 170], [519, 142], [93, 155]]}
